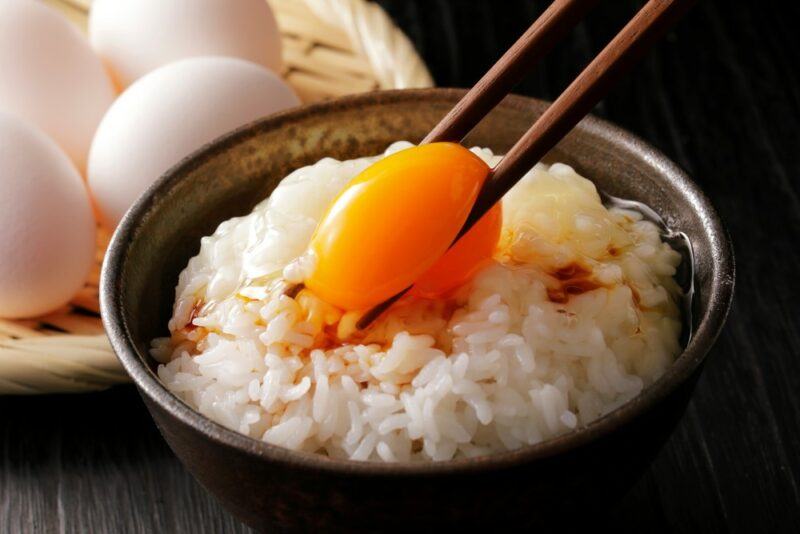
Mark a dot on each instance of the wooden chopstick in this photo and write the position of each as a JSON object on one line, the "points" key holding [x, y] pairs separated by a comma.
{"points": [[577, 100], [519, 60], [621, 54]]}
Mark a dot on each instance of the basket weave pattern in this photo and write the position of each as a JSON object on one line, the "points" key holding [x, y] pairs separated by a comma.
{"points": [[330, 48]]}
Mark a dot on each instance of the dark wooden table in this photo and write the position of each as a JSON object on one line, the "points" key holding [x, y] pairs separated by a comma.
{"points": [[722, 97]]}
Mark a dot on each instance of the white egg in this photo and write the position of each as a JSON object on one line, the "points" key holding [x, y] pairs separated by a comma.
{"points": [[168, 114], [47, 230], [50, 76], [135, 37]]}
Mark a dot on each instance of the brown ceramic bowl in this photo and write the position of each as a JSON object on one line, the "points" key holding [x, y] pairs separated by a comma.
{"points": [[268, 486]]}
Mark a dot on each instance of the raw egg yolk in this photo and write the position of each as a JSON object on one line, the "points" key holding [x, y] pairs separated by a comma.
{"points": [[392, 223], [473, 251]]}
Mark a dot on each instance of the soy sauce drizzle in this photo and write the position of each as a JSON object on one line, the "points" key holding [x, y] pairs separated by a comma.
{"points": [[574, 279], [680, 243]]}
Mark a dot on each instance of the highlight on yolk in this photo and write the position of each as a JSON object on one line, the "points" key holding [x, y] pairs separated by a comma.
{"points": [[473, 251], [393, 222]]}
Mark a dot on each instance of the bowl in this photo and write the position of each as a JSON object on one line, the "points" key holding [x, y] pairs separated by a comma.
{"points": [[270, 487]]}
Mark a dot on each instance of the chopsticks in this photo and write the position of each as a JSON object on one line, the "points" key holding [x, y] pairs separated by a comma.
{"points": [[535, 43], [609, 66]]}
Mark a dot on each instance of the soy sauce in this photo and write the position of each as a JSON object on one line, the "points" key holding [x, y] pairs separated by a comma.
{"points": [[680, 243]]}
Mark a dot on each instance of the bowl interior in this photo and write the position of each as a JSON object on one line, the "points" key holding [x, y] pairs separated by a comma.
{"points": [[227, 178]]}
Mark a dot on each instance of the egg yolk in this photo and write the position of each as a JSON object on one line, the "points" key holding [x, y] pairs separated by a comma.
{"points": [[473, 251], [392, 223]]}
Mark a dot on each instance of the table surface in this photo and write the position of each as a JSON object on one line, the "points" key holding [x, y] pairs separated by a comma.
{"points": [[721, 96]]}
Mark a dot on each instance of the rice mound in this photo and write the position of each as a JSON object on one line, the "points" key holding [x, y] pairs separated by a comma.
{"points": [[577, 314]]}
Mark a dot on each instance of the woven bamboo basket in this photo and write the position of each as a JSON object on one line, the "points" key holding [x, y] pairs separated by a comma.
{"points": [[331, 48]]}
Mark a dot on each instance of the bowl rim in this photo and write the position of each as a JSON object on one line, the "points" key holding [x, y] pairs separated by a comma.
{"points": [[149, 385]]}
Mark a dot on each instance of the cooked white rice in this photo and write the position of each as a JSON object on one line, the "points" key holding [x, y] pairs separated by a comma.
{"points": [[575, 317]]}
